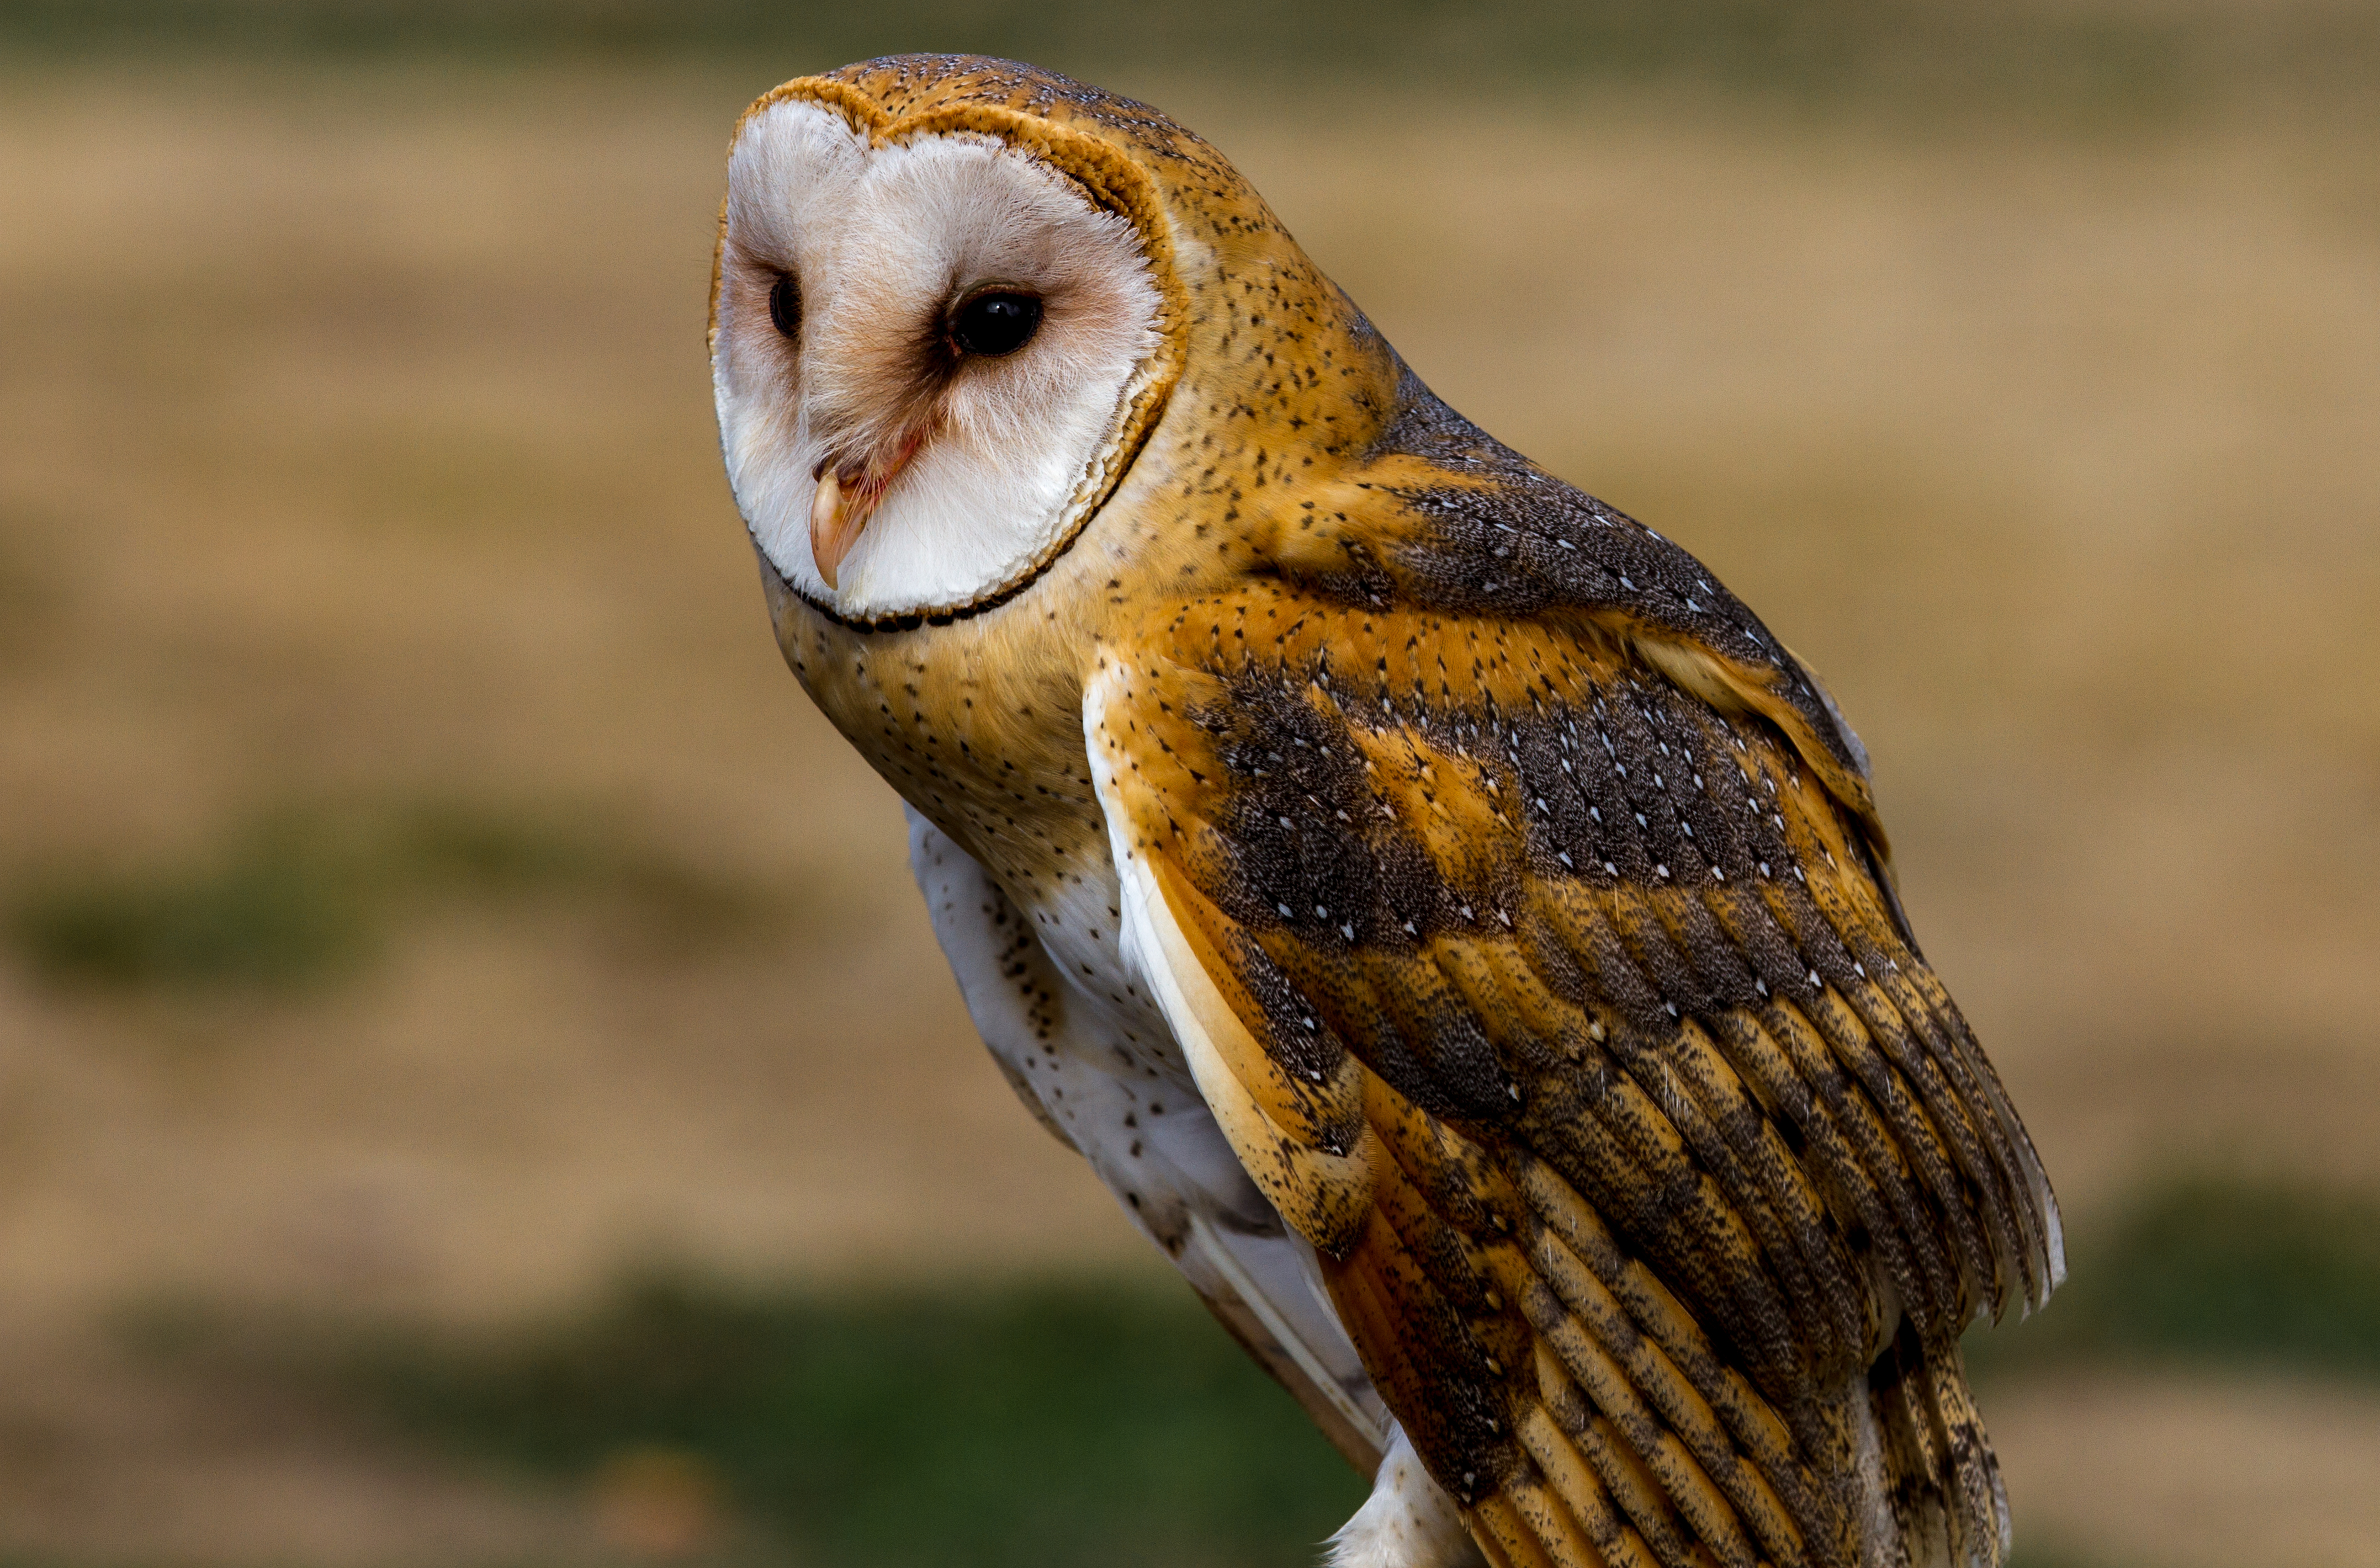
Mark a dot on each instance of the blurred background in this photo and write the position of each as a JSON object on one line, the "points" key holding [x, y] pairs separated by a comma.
{"points": [[477, 1086]]}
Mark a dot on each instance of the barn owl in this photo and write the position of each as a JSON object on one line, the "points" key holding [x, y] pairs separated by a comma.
{"points": [[1456, 929]]}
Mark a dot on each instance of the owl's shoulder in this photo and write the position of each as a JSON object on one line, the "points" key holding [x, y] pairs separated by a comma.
{"points": [[1439, 520]]}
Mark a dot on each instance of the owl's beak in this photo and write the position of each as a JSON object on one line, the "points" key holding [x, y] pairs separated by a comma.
{"points": [[836, 517], [847, 494]]}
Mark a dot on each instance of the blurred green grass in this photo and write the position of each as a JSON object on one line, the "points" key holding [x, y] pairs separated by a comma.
{"points": [[279, 909], [302, 897], [1925, 53], [2212, 1270], [1048, 1423], [1059, 1422]]}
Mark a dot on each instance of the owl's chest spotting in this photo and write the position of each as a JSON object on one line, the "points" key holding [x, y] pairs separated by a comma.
{"points": [[992, 752]]}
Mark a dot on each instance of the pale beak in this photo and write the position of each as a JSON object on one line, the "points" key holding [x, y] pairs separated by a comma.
{"points": [[846, 498], [834, 525]]}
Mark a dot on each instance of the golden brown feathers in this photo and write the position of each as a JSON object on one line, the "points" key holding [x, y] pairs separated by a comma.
{"points": [[1519, 903], [1671, 1145]]}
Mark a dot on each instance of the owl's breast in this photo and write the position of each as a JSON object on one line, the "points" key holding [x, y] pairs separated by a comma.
{"points": [[1080, 924], [981, 729]]}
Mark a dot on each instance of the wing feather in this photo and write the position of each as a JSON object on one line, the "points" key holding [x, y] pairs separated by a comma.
{"points": [[1546, 987]]}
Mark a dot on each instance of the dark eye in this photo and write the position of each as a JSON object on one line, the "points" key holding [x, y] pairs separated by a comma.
{"points": [[996, 322], [786, 305]]}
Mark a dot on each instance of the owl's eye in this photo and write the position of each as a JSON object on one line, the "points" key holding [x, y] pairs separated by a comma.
{"points": [[995, 322], [786, 305]]}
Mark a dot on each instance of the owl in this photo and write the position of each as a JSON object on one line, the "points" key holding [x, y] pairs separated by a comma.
{"points": [[1454, 927]]}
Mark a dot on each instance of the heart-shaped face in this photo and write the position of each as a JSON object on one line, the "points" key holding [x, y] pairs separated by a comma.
{"points": [[933, 348]]}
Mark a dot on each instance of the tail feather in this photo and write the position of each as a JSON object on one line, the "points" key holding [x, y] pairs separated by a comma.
{"points": [[1943, 1484]]}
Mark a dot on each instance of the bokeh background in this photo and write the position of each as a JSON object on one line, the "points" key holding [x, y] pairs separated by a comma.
{"points": [[476, 1085]]}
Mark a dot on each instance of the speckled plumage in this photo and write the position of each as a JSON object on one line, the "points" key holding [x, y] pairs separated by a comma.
{"points": [[1498, 893]]}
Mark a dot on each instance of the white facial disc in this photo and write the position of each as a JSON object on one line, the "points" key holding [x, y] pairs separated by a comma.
{"points": [[882, 242]]}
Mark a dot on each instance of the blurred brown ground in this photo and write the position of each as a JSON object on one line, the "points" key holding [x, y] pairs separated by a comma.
{"points": [[355, 443]]}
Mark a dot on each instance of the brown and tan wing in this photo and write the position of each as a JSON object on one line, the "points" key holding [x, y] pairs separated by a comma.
{"points": [[1547, 990]]}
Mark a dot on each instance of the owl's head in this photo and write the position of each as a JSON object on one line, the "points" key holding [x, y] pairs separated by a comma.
{"points": [[940, 331]]}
